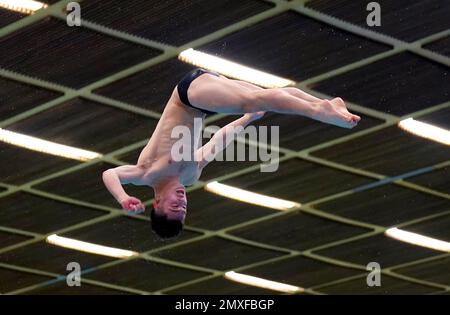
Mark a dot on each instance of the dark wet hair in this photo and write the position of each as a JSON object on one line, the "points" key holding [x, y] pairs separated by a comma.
{"points": [[164, 227]]}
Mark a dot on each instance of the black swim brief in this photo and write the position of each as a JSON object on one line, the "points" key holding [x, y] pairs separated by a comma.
{"points": [[186, 81]]}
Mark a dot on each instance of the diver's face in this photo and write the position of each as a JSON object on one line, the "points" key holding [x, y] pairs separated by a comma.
{"points": [[173, 204]]}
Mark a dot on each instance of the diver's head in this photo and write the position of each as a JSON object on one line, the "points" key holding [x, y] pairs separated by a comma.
{"points": [[169, 209]]}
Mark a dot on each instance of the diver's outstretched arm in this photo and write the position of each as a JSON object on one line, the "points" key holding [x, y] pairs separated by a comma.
{"points": [[223, 137], [113, 180]]}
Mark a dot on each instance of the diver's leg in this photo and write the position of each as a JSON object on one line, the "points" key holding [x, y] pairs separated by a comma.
{"points": [[301, 94], [223, 95], [291, 90]]}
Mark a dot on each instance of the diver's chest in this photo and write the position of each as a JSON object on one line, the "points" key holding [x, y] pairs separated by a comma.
{"points": [[186, 170]]}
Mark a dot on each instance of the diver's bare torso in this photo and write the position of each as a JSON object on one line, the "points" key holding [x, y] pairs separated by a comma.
{"points": [[156, 157]]}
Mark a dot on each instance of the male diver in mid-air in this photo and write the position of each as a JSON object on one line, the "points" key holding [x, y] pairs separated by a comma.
{"points": [[202, 92]]}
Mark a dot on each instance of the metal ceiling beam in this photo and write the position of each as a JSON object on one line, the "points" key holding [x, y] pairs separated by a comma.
{"points": [[376, 36], [33, 18], [168, 53], [174, 51], [338, 195], [306, 253]]}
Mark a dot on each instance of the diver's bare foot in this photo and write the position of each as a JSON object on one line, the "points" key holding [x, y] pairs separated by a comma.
{"points": [[335, 112]]}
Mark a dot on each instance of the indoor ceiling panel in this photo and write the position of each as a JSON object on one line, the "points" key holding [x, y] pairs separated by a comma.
{"points": [[402, 19], [301, 271], [8, 239], [398, 85], [385, 205], [299, 133], [217, 254], [437, 179], [61, 288], [299, 231], [220, 286], [130, 157], [213, 212], [41, 215], [124, 233], [87, 185], [12, 280], [389, 151], [172, 22], [144, 275], [8, 17], [441, 46], [389, 286], [17, 97], [437, 227], [439, 118], [231, 163], [150, 88], [76, 57], [25, 165], [434, 271], [298, 180], [71, 56], [294, 46], [380, 249], [87, 125], [50, 258]]}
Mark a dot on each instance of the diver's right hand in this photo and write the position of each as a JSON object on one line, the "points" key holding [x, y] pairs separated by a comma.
{"points": [[132, 204]]}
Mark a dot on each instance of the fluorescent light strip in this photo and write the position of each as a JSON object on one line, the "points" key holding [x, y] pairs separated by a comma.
{"points": [[417, 239], [89, 247], [232, 69], [262, 283], [250, 197], [425, 130], [23, 6], [45, 146]]}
